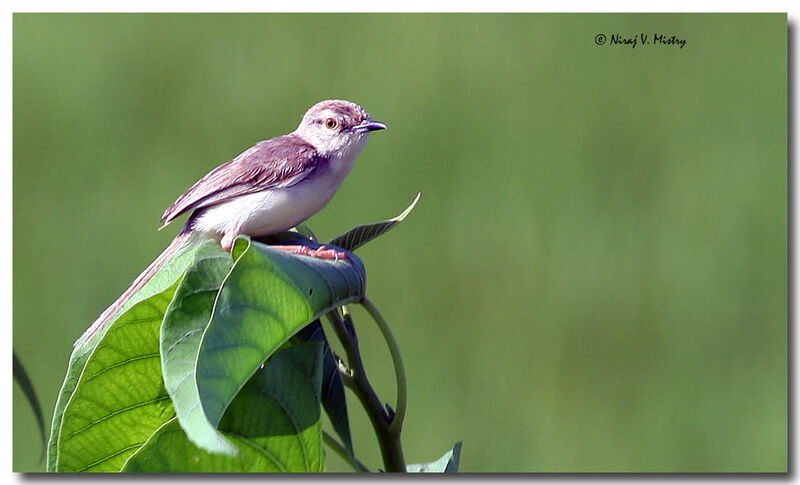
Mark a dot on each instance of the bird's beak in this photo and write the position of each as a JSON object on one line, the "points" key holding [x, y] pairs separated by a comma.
{"points": [[368, 126]]}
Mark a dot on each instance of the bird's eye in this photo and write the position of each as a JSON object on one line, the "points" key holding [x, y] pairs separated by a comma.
{"points": [[331, 124]]}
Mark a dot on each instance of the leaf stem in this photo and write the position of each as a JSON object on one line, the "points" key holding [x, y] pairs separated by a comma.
{"points": [[397, 359], [388, 437], [342, 452]]}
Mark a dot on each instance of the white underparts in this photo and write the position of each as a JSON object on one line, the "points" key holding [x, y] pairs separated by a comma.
{"points": [[278, 209]]}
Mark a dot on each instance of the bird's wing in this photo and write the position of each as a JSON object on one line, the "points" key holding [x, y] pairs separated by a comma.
{"points": [[279, 162]]}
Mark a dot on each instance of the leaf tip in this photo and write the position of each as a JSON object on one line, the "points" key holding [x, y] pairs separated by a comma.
{"points": [[240, 245], [408, 210]]}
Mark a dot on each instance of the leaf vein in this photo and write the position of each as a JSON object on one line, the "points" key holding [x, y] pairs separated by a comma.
{"points": [[114, 413]]}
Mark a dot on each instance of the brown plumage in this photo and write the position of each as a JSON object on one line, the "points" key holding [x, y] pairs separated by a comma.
{"points": [[279, 162]]}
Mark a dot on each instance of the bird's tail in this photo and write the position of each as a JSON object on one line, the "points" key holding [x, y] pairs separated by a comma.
{"points": [[141, 280]]}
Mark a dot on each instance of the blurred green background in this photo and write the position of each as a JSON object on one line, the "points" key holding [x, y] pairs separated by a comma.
{"points": [[595, 278]]}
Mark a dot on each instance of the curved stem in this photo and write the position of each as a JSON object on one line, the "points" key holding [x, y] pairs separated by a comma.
{"points": [[399, 371], [340, 450], [388, 438]]}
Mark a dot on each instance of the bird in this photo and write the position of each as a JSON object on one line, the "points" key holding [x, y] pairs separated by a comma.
{"points": [[267, 189]]}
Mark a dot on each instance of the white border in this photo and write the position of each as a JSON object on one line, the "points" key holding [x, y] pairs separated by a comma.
{"points": [[338, 6]]}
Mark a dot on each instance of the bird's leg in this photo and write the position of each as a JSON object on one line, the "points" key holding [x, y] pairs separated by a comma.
{"points": [[227, 240], [321, 252]]}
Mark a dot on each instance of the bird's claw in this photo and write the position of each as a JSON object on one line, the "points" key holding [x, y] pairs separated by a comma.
{"points": [[321, 252]]}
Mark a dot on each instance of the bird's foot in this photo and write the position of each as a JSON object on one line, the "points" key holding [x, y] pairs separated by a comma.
{"points": [[321, 252]]}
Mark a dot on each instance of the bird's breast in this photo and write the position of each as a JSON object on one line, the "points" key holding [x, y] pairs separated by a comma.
{"points": [[278, 209]]}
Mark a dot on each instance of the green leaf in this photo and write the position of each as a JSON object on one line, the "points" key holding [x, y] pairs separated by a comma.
{"points": [[448, 463], [119, 399], [266, 298], [181, 333], [360, 235], [169, 450], [162, 280], [274, 423], [286, 392], [76, 363], [333, 397]]}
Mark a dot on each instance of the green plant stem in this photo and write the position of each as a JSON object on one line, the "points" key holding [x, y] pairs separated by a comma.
{"points": [[342, 452], [397, 360], [388, 438]]}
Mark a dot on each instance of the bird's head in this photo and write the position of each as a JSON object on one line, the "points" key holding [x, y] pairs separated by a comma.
{"points": [[336, 127]]}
